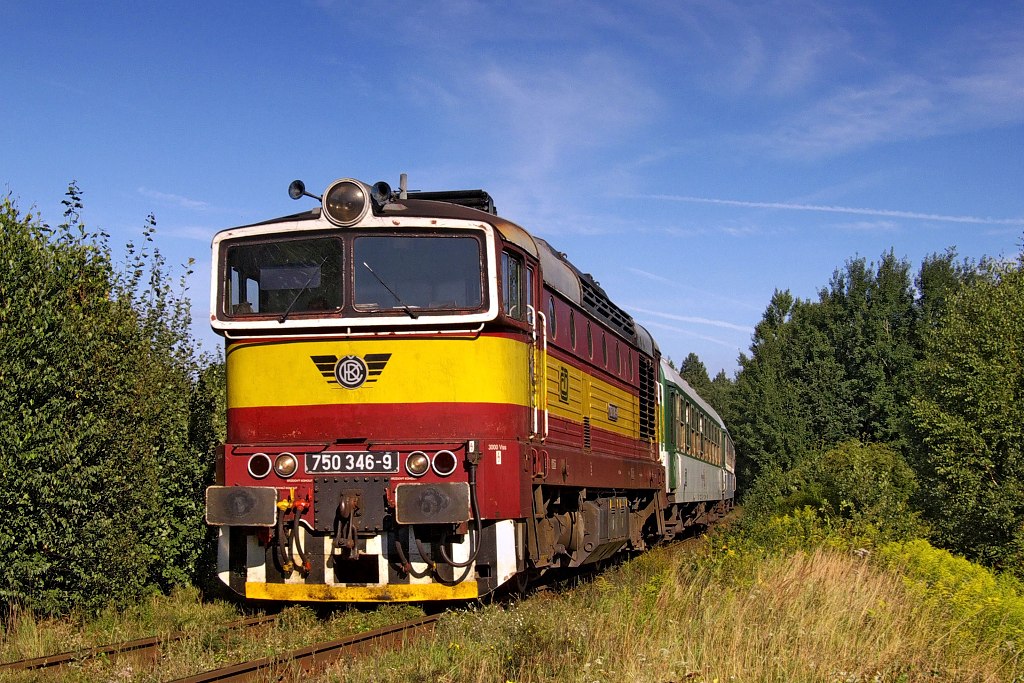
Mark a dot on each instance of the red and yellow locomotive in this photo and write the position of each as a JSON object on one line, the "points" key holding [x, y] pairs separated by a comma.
{"points": [[425, 402]]}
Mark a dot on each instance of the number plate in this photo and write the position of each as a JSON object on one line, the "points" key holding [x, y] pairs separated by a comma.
{"points": [[349, 462]]}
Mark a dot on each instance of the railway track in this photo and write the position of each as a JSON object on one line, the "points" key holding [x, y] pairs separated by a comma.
{"points": [[305, 659], [142, 648], [320, 655]]}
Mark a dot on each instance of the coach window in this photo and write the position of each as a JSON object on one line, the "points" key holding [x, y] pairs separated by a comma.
{"points": [[552, 322], [572, 329], [512, 293], [689, 427]]}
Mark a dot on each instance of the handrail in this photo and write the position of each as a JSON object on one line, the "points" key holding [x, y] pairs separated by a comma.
{"points": [[531, 317], [544, 363]]}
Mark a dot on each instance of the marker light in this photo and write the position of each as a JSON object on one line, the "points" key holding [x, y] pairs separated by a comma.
{"points": [[346, 202], [259, 465], [445, 463], [286, 464], [417, 463]]}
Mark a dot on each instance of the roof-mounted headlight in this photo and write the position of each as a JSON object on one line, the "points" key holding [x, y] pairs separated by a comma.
{"points": [[346, 202]]}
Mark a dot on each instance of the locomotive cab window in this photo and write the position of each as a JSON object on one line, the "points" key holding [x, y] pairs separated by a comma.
{"points": [[291, 276], [401, 273]]}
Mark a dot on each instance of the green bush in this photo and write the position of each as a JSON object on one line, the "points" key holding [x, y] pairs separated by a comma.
{"points": [[103, 453], [980, 602], [861, 490]]}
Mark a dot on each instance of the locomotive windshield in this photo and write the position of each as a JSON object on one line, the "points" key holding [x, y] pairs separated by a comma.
{"points": [[435, 273], [353, 275], [281, 277]]}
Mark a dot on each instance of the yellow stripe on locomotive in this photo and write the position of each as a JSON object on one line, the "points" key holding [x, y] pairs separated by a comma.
{"points": [[486, 369]]}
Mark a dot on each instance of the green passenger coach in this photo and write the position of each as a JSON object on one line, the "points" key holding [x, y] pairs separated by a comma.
{"points": [[697, 452]]}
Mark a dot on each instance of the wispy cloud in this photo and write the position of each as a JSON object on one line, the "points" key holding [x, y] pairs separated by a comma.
{"points": [[869, 226], [975, 85], [691, 333], [696, 320], [651, 276], [175, 199], [860, 211], [703, 293]]}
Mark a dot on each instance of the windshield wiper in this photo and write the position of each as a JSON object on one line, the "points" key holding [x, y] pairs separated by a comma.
{"points": [[305, 287], [385, 286]]}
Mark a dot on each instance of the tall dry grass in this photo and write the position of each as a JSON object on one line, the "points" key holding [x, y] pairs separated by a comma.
{"points": [[808, 616]]}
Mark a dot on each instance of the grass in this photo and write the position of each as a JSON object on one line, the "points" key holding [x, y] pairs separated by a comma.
{"points": [[707, 616], [207, 646], [735, 606]]}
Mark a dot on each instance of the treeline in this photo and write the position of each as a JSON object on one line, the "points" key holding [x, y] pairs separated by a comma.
{"points": [[108, 418], [894, 399]]}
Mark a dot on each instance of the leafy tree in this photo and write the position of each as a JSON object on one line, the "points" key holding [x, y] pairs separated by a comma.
{"points": [[695, 373], [968, 418], [769, 426], [102, 458], [873, 322], [826, 371], [720, 396], [937, 282]]}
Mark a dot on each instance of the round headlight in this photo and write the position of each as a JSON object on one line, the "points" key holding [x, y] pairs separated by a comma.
{"points": [[286, 464], [346, 202], [259, 465], [445, 463], [417, 463]]}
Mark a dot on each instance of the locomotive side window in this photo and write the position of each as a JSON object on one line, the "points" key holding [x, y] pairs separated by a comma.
{"points": [[529, 287], [590, 342], [283, 277], [401, 273], [572, 329], [552, 322], [512, 286]]}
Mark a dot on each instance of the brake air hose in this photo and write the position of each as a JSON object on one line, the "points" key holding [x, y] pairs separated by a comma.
{"points": [[295, 540], [407, 565], [283, 549], [477, 522]]}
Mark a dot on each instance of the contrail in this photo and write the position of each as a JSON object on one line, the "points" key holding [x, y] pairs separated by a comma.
{"points": [[692, 319], [846, 209]]}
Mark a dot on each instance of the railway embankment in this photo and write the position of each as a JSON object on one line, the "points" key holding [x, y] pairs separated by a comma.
{"points": [[787, 597]]}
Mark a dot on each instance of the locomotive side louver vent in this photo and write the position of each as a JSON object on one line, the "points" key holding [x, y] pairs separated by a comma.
{"points": [[597, 302], [586, 433], [648, 400]]}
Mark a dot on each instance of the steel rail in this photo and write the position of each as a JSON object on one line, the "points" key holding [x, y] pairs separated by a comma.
{"points": [[139, 647], [320, 655]]}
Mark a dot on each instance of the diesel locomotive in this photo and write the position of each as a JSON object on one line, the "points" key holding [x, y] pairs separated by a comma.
{"points": [[426, 402]]}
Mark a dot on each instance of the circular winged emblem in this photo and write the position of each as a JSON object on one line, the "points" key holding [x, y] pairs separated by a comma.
{"points": [[350, 372]]}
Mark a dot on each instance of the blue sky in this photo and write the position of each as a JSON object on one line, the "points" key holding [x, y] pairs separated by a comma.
{"points": [[693, 156]]}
